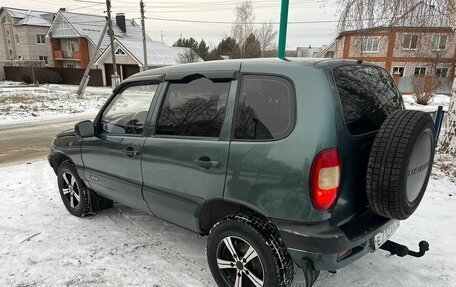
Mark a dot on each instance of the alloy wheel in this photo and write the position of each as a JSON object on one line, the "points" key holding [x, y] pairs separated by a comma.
{"points": [[239, 263], [70, 189]]}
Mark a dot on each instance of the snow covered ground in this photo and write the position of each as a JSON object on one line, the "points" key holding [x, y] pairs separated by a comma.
{"points": [[41, 244], [437, 100], [19, 103]]}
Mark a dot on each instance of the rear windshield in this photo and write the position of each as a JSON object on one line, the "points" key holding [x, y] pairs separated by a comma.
{"points": [[368, 95]]}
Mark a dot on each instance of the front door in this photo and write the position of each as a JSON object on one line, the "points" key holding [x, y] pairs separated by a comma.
{"points": [[185, 159], [112, 158]]}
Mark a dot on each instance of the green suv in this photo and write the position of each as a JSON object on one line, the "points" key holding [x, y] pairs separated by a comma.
{"points": [[276, 161]]}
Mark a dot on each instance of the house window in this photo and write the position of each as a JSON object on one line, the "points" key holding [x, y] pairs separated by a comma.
{"points": [[119, 51], [20, 58], [11, 53], [44, 59], [439, 42], [71, 46], [441, 72], [17, 38], [370, 44], [40, 38], [399, 69], [410, 42], [7, 33], [71, 66], [420, 71]]}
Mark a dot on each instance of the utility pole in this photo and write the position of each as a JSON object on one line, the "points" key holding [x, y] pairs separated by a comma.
{"points": [[141, 6], [114, 77], [85, 79], [370, 7], [283, 29]]}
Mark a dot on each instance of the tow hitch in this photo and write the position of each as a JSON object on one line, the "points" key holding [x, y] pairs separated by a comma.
{"points": [[401, 250]]}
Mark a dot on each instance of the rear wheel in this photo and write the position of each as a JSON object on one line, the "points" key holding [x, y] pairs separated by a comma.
{"points": [[245, 250]]}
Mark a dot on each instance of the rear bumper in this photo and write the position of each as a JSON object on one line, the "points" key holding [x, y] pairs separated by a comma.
{"points": [[322, 242]]}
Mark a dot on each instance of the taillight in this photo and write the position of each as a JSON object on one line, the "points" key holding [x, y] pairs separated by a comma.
{"points": [[325, 179]]}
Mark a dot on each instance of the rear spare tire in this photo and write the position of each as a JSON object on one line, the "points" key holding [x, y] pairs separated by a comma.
{"points": [[400, 163]]}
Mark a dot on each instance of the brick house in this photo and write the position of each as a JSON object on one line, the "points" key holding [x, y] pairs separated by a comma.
{"points": [[407, 46], [23, 35], [408, 50], [74, 37]]}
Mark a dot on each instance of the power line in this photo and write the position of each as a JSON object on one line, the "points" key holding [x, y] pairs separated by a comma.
{"points": [[254, 23]]}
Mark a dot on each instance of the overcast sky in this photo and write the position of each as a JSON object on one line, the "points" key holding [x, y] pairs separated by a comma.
{"points": [[302, 34]]}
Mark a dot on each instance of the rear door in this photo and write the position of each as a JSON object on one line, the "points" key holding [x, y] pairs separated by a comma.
{"points": [[367, 96], [112, 158], [184, 160]]}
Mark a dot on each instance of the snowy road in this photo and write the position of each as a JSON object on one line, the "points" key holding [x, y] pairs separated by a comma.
{"points": [[41, 244], [31, 140]]}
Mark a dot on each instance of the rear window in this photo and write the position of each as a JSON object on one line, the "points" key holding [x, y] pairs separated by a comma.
{"points": [[368, 95]]}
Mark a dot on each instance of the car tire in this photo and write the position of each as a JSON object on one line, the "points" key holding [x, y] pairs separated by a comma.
{"points": [[259, 256], [400, 164], [74, 193]]}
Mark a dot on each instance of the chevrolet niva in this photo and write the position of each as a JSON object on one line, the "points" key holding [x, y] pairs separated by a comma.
{"points": [[277, 161]]}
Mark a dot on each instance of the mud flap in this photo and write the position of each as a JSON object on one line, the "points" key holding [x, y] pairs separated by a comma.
{"points": [[99, 203]]}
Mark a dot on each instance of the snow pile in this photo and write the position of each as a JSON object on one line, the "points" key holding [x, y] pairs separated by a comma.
{"points": [[41, 244], [437, 100], [23, 103], [10, 83]]}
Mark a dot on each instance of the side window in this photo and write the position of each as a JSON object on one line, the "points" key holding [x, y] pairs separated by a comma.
{"points": [[127, 112], [265, 109], [194, 109]]}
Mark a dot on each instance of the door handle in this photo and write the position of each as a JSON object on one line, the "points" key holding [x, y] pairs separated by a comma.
{"points": [[206, 163], [131, 152]]}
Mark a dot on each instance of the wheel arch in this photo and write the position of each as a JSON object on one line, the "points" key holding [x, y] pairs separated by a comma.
{"points": [[214, 210], [57, 158]]}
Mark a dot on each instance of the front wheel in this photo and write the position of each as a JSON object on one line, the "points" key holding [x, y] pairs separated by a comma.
{"points": [[74, 193], [245, 250]]}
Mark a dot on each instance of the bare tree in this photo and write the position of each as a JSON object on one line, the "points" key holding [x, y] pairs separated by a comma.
{"points": [[362, 14], [266, 34], [243, 26], [425, 86], [449, 138], [188, 56]]}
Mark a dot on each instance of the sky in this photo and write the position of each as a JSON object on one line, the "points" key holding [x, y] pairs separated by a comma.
{"points": [[160, 13]]}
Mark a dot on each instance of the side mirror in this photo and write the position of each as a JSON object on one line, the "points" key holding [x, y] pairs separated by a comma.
{"points": [[85, 129]]}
